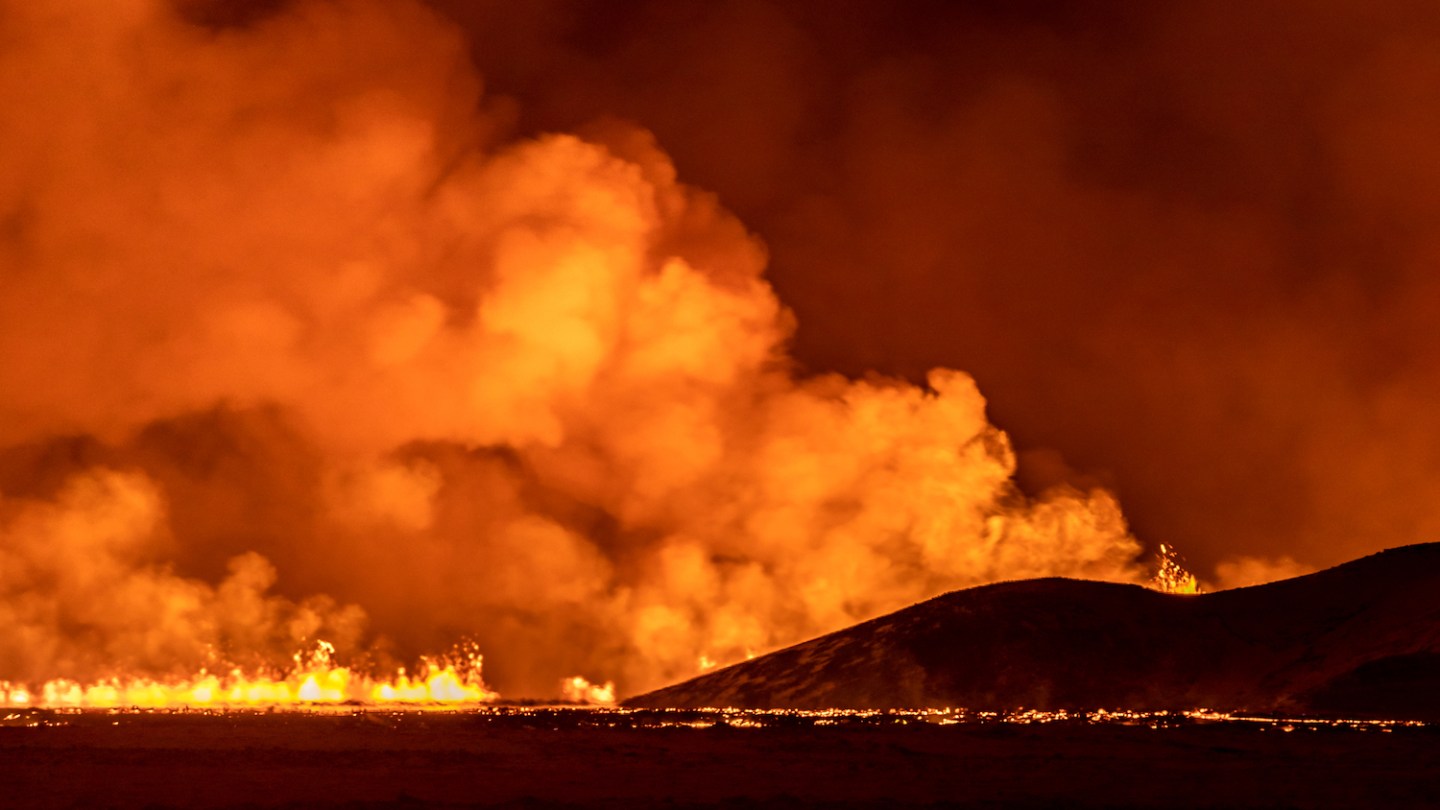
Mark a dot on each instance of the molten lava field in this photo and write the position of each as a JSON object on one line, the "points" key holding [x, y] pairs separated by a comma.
{"points": [[519, 756]]}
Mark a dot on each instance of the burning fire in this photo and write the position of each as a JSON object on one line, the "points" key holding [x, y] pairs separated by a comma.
{"points": [[452, 680], [1172, 577]]}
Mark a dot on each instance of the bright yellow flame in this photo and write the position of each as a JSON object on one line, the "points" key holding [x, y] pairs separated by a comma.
{"points": [[1172, 576], [315, 680]]}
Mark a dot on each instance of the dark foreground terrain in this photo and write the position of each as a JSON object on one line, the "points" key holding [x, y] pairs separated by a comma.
{"points": [[1359, 641], [556, 758], [1363, 638]]}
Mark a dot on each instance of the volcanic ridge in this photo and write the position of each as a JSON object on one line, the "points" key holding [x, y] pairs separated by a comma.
{"points": [[1361, 638]]}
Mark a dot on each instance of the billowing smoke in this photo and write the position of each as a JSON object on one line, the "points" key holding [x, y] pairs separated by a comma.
{"points": [[1189, 247], [298, 345]]}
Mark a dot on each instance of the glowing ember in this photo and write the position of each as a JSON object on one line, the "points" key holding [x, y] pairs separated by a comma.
{"points": [[1172, 576]]}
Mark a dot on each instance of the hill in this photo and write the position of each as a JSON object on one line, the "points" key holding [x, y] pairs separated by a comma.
{"points": [[1363, 637]]}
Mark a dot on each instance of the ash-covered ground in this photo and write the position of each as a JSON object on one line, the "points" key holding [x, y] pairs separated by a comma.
{"points": [[548, 757]]}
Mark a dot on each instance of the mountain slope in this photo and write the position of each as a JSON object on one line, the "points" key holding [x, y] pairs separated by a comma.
{"points": [[1361, 637]]}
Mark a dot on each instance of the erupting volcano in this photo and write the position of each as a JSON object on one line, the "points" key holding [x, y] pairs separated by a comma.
{"points": [[306, 347], [881, 380], [298, 350]]}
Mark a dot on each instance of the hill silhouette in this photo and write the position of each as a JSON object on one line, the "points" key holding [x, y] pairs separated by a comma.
{"points": [[1360, 638]]}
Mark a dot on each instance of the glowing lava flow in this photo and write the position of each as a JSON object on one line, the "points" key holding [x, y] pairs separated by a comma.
{"points": [[315, 680], [452, 680]]}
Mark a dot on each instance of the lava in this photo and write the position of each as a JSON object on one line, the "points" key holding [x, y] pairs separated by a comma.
{"points": [[314, 680], [1172, 577]]}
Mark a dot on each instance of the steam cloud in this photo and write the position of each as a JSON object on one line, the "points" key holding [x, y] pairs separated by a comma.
{"points": [[1191, 248], [296, 344]]}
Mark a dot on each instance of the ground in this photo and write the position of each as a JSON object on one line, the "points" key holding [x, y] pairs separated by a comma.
{"points": [[545, 758]]}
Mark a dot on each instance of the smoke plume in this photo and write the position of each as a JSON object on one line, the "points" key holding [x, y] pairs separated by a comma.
{"points": [[298, 343], [1190, 249]]}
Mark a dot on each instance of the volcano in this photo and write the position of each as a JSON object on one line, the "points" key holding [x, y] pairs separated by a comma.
{"points": [[1361, 638]]}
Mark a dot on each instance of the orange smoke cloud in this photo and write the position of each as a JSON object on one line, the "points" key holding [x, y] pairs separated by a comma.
{"points": [[1188, 247], [281, 316]]}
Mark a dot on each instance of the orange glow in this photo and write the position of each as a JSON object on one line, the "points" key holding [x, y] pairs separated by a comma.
{"points": [[577, 689], [1172, 576], [453, 680], [415, 383], [706, 663]]}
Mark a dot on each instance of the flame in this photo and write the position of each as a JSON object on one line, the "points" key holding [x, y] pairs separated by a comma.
{"points": [[452, 680], [576, 689], [1172, 577]]}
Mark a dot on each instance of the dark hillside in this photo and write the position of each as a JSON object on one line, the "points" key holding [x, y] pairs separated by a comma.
{"points": [[1363, 637]]}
